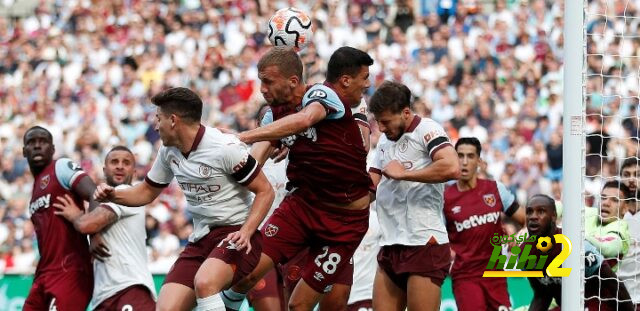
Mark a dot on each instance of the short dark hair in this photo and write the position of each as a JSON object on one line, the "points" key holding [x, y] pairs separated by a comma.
{"points": [[34, 128], [346, 61], [118, 148], [629, 162], [550, 202], [285, 58], [620, 186], [390, 96], [180, 101], [470, 141]]}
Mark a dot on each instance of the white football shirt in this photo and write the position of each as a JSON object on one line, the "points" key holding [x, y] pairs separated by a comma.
{"points": [[410, 213], [212, 176], [365, 262], [127, 265]]}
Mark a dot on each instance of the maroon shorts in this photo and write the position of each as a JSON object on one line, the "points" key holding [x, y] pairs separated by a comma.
{"points": [[362, 305], [68, 290], [184, 269], [400, 261], [269, 286], [331, 234], [291, 272], [135, 297], [481, 294]]}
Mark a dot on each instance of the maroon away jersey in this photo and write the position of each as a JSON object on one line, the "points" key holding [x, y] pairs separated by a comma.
{"points": [[61, 247], [473, 217], [327, 162]]}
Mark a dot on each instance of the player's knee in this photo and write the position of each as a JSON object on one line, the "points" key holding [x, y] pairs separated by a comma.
{"points": [[206, 286], [300, 304]]}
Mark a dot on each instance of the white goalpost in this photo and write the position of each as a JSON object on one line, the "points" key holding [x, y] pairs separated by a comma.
{"points": [[573, 156]]}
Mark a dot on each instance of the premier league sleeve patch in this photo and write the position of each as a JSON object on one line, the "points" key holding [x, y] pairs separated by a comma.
{"points": [[317, 94]]}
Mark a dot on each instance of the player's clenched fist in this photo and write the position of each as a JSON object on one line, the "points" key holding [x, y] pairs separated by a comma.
{"points": [[103, 193]]}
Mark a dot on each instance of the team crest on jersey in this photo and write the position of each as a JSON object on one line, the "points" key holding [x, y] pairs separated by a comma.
{"points": [[271, 230], [44, 181], [403, 146], [205, 171], [489, 199]]}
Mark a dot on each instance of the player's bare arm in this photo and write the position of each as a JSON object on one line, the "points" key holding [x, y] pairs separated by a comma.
{"points": [[261, 151], [519, 215], [366, 133], [89, 223], [261, 187], [139, 195], [445, 167], [85, 189], [375, 179], [287, 126]]}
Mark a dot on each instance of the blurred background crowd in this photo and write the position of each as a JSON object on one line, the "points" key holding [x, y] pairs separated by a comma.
{"points": [[85, 70]]}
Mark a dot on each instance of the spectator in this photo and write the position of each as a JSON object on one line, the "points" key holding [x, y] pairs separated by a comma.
{"points": [[166, 243]]}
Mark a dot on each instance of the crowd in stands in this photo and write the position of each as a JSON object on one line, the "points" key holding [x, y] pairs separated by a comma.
{"points": [[85, 70]]}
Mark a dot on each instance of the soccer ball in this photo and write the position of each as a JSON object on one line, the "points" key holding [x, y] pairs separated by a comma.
{"points": [[290, 27]]}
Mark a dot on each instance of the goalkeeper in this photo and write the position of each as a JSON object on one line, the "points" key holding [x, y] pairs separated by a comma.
{"points": [[607, 231], [601, 284]]}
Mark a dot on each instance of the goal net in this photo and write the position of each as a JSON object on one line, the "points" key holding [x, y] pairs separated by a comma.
{"points": [[608, 126]]}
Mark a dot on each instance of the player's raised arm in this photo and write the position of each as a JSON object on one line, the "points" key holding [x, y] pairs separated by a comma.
{"points": [[138, 195], [159, 177], [287, 126]]}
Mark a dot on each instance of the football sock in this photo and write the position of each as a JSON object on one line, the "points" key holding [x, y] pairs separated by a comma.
{"points": [[232, 300], [211, 303]]}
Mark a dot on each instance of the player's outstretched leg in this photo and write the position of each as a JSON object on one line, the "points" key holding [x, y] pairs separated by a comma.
{"points": [[422, 294], [386, 294]]}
